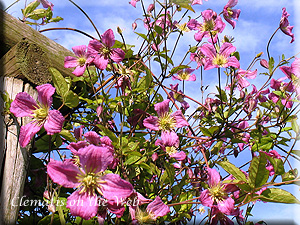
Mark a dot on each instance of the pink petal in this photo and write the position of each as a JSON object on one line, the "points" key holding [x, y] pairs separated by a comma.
{"points": [[74, 147], [63, 173], [208, 50], [170, 139], [227, 207], [100, 62], [80, 50], [162, 107], [205, 198], [151, 123], [226, 49], [23, 105], [108, 38], [158, 208], [92, 137], [117, 55], [54, 122], [79, 70], [27, 132], [82, 205], [71, 62], [45, 92], [213, 177], [115, 188], [180, 120], [93, 47], [94, 158], [179, 155], [192, 77]]}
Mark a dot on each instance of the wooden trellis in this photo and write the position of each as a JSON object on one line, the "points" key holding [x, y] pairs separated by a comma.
{"points": [[26, 56]]}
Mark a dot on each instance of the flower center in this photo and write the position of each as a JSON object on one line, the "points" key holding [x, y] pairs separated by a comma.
{"points": [[105, 51], [166, 122], [184, 76], [208, 25], [40, 114], [220, 60], [217, 193], [90, 182], [171, 150], [229, 11], [81, 61], [144, 217]]}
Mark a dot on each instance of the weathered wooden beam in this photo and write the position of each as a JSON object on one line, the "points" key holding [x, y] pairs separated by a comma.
{"points": [[14, 31], [27, 61]]}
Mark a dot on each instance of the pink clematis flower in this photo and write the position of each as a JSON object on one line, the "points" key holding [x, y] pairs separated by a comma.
{"points": [[165, 120], [169, 143], [154, 210], [217, 194], [103, 51], [230, 14], [242, 75], [284, 25], [46, 4], [221, 58], [25, 105], [90, 180], [80, 62], [185, 74], [211, 26]]}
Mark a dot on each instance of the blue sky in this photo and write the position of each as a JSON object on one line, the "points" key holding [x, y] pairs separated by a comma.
{"points": [[258, 20]]}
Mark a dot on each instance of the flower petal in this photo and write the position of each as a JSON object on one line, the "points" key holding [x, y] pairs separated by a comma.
{"points": [[79, 70], [158, 208], [80, 50], [108, 38], [27, 132], [83, 205], [45, 92], [180, 121], [162, 107], [54, 122], [151, 123], [92, 137], [115, 188], [63, 173], [70, 62], [95, 158], [213, 177], [117, 55], [23, 105]]}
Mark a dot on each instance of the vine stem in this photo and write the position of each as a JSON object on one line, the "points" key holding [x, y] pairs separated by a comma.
{"points": [[268, 45]]}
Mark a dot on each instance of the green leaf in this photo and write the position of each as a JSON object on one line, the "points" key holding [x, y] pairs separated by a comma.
{"points": [[59, 82], [66, 134], [30, 7], [184, 4], [71, 99], [144, 36], [271, 65], [258, 174], [56, 19], [37, 14], [278, 195], [177, 68], [290, 175], [108, 133], [205, 131], [233, 170], [295, 125]]}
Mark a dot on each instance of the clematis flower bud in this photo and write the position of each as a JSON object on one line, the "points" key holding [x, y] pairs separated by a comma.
{"points": [[150, 8], [264, 63], [134, 25]]}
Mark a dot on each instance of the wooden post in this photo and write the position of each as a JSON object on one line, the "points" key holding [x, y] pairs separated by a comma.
{"points": [[26, 58], [16, 158]]}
